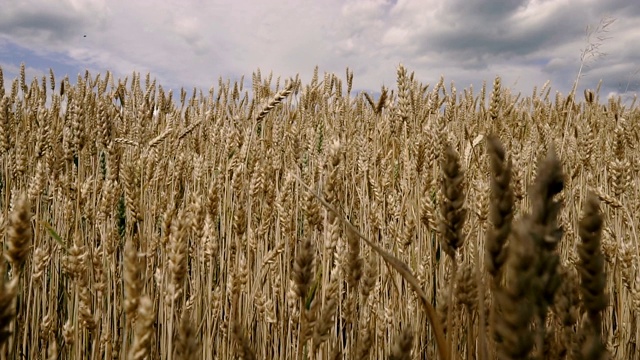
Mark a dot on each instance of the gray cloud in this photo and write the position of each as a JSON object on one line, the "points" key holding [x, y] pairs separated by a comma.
{"points": [[193, 42], [54, 24]]}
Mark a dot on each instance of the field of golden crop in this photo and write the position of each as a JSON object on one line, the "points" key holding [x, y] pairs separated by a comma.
{"points": [[301, 220]]}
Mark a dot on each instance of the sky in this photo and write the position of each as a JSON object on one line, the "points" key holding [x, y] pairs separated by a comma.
{"points": [[192, 43]]}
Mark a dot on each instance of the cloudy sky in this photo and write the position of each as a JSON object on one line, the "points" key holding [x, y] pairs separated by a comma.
{"points": [[193, 42]]}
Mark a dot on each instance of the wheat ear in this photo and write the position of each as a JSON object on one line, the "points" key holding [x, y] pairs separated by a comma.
{"points": [[591, 265]]}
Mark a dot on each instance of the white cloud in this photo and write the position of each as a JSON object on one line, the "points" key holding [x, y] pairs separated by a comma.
{"points": [[193, 42], [396, 36]]}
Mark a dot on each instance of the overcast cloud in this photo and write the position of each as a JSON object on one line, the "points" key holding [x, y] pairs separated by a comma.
{"points": [[193, 42]]}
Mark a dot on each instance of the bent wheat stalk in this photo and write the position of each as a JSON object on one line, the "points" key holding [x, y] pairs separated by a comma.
{"points": [[395, 263]]}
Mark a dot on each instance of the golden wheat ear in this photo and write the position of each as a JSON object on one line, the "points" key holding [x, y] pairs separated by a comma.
{"points": [[243, 348], [8, 292], [592, 272], [19, 233], [500, 210]]}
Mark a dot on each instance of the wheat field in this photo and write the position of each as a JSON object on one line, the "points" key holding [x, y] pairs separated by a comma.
{"points": [[306, 221]]}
